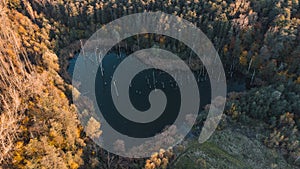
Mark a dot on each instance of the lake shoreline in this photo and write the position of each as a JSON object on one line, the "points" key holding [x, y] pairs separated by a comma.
{"points": [[67, 53]]}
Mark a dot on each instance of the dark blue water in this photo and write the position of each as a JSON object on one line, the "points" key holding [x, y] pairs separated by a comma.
{"points": [[142, 84]]}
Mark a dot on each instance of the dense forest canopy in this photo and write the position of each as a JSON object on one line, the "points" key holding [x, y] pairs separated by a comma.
{"points": [[256, 39]]}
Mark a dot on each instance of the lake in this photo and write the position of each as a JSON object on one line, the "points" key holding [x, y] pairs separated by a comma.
{"points": [[141, 85]]}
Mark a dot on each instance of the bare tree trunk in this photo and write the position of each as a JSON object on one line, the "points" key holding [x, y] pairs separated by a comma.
{"points": [[14, 82]]}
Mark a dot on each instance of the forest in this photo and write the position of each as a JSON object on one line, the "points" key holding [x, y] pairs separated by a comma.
{"points": [[258, 41]]}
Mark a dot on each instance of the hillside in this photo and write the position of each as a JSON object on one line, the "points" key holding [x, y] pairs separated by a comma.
{"points": [[258, 42]]}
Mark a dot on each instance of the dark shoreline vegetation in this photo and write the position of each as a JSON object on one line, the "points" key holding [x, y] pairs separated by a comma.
{"points": [[258, 41]]}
